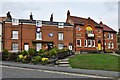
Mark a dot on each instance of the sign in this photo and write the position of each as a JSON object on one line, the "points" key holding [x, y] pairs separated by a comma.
{"points": [[50, 34]]}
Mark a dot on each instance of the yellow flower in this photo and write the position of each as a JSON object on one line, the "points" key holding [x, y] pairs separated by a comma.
{"points": [[20, 56], [25, 57], [44, 59]]}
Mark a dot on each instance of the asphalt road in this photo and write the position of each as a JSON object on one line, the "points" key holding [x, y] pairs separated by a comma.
{"points": [[16, 72]]}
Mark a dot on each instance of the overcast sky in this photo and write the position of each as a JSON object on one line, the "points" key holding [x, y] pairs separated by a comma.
{"points": [[104, 11]]}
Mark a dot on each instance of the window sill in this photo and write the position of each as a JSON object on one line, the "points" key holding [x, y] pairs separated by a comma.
{"points": [[14, 38], [38, 39], [79, 46]]}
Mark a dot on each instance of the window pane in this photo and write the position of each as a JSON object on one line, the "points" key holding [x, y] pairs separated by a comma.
{"points": [[60, 25], [15, 21], [15, 34], [39, 36], [60, 46], [60, 36], [14, 46], [79, 43], [111, 36], [38, 23], [38, 46], [85, 43]]}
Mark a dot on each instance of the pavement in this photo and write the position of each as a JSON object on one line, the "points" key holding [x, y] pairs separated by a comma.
{"points": [[102, 73]]}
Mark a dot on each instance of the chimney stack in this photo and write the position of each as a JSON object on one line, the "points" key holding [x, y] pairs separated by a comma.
{"points": [[101, 22], [51, 17], [9, 15], [68, 13], [31, 16]]}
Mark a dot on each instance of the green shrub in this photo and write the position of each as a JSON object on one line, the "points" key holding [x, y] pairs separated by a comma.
{"points": [[31, 51], [36, 59], [41, 51], [26, 59], [24, 52], [53, 52], [5, 55], [47, 54], [5, 52], [13, 56]]}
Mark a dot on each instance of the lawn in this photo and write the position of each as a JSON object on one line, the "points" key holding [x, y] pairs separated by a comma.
{"points": [[95, 62]]}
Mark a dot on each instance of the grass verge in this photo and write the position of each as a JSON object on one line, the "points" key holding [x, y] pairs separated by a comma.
{"points": [[95, 62]]}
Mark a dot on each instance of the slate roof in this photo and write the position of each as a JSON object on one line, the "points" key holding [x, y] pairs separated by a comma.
{"points": [[106, 28], [43, 22], [80, 20]]}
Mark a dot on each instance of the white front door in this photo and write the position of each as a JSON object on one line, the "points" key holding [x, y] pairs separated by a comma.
{"points": [[26, 47], [38, 46]]}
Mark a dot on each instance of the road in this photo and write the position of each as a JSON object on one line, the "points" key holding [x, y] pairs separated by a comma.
{"points": [[16, 72]]}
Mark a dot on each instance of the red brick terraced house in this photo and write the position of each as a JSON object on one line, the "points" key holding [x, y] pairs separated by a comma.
{"points": [[88, 35], [77, 34], [22, 34]]}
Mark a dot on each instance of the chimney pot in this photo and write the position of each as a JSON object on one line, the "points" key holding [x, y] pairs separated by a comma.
{"points": [[31, 16], [51, 17]]}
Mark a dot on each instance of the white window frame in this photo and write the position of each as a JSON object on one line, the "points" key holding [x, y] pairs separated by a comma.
{"points": [[99, 30], [90, 43], [15, 34], [105, 43], [15, 21], [60, 25], [38, 46], [111, 36], [80, 42], [60, 46], [60, 36], [38, 23], [93, 42], [39, 36], [109, 45], [85, 43], [112, 45], [15, 47]]}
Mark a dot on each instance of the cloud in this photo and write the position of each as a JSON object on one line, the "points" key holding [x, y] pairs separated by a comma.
{"points": [[107, 11]]}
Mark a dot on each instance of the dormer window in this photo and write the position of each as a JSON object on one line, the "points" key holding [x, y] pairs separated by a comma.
{"points": [[38, 23], [15, 21], [60, 25]]}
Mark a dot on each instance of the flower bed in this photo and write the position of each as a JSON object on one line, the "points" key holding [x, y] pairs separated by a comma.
{"points": [[40, 57]]}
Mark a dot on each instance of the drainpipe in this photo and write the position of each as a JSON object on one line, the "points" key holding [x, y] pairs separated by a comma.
{"points": [[74, 37], [3, 35], [21, 36], [103, 43]]}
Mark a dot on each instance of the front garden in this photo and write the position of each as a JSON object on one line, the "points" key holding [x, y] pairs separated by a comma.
{"points": [[95, 62], [40, 57]]}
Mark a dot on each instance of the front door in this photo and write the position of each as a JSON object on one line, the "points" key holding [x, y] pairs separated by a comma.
{"points": [[99, 45], [26, 46]]}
